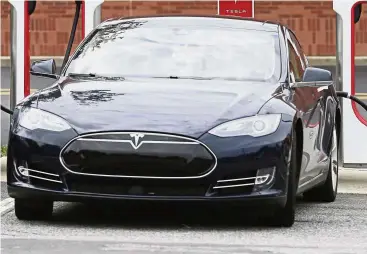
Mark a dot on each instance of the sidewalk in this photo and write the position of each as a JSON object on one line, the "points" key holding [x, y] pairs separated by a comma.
{"points": [[353, 180]]}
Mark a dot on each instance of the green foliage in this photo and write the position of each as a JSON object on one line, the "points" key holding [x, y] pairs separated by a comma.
{"points": [[4, 150]]}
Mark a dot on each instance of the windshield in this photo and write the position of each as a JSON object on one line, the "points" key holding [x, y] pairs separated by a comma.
{"points": [[182, 48]]}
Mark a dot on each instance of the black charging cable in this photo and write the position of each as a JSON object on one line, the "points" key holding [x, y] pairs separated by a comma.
{"points": [[72, 34], [6, 110], [353, 98]]}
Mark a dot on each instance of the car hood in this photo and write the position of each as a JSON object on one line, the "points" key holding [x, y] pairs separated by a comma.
{"points": [[184, 107]]}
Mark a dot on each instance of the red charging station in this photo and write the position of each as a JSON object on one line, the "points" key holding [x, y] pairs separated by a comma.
{"points": [[20, 38]]}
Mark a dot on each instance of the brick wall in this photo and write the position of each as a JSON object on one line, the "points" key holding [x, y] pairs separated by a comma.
{"points": [[313, 22]]}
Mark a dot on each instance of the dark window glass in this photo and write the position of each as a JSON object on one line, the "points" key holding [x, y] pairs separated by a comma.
{"points": [[299, 50], [295, 64]]}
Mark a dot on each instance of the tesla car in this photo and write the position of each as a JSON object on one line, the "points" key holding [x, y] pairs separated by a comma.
{"points": [[178, 108]]}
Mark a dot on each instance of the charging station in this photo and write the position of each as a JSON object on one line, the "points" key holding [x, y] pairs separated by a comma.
{"points": [[20, 15], [354, 126]]}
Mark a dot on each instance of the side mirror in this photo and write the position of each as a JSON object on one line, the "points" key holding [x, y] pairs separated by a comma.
{"points": [[44, 68], [313, 74], [357, 12]]}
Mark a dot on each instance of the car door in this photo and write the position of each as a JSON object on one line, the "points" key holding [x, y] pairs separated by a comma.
{"points": [[324, 91], [307, 100]]}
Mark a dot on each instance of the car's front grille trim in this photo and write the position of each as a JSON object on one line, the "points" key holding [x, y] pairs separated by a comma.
{"points": [[237, 179], [141, 143], [40, 172], [233, 186], [37, 171], [236, 182], [190, 141], [45, 179]]}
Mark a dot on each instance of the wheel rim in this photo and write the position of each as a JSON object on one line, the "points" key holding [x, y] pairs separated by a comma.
{"points": [[334, 160]]}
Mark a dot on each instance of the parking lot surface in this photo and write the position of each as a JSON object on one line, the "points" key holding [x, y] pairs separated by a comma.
{"points": [[338, 228]]}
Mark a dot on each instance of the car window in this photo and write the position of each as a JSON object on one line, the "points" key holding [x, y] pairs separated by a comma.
{"points": [[296, 65], [180, 47], [299, 50]]}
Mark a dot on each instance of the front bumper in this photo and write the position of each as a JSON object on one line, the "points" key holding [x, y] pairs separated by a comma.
{"points": [[237, 158], [270, 199]]}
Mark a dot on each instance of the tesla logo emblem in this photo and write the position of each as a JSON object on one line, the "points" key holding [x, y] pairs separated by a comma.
{"points": [[241, 8], [136, 138]]}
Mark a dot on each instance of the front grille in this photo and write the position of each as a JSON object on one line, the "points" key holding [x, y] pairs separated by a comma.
{"points": [[141, 155]]}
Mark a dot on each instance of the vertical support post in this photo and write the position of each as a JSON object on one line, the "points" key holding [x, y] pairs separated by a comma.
{"points": [[27, 57], [97, 16], [17, 41], [13, 57], [339, 78], [91, 15]]}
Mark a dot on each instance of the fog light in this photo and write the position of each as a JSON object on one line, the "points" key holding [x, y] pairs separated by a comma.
{"points": [[261, 179], [265, 178], [23, 171]]}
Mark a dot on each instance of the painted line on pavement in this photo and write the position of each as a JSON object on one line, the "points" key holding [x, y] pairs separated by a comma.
{"points": [[6, 206]]}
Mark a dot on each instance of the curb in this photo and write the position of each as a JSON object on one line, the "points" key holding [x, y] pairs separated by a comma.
{"points": [[353, 175], [3, 163], [313, 60]]}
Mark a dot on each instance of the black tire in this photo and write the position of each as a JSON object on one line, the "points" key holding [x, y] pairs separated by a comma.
{"points": [[29, 209], [327, 192], [285, 217]]}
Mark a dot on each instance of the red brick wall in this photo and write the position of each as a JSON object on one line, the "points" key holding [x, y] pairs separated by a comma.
{"points": [[313, 22]]}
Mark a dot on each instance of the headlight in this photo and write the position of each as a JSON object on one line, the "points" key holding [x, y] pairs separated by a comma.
{"points": [[255, 126], [32, 119]]}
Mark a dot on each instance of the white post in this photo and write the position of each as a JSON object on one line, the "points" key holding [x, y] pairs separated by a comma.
{"points": [[17, 17], [92, 14]]}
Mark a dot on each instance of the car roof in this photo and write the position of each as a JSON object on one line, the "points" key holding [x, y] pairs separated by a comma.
{"points": [[225, 21]]}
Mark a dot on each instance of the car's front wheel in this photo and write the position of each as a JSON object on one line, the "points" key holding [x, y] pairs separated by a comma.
{"points": [[29, 209], [328, 191], [285, 216]]}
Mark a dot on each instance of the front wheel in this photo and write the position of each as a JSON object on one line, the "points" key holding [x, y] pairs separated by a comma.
{"points": [[285, 217], [29, 209], [328, 191]]}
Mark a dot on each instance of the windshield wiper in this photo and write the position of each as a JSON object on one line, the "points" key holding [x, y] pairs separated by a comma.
{"points": [[184, 77], [201, 78], [95, 76]]}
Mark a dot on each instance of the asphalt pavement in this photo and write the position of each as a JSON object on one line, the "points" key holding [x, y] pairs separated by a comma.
{"points": [[39, 82], [4, 191], [338, 228]]}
